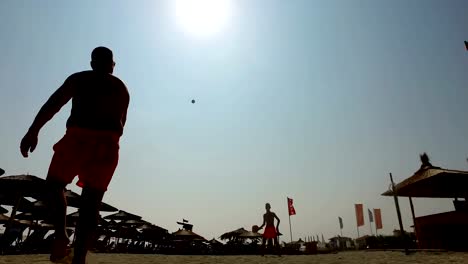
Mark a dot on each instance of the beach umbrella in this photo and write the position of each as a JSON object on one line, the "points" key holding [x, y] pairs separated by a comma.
{"points": [[122, 215], [233, 234], [250, 234], [74, 200], [133, 222], [215, 242], [432, 182], [183, 234], [24, 185], [72, 220], [3, 210]]}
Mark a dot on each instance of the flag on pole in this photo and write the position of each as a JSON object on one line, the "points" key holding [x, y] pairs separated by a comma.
{"points": [[359, 214], [371, 217], [291, 209], [466, 45], [341, 222], [378, 219]]}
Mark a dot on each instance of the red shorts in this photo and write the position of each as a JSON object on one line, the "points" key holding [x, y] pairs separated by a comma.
{"points": [[270, 232], [91, 154]]}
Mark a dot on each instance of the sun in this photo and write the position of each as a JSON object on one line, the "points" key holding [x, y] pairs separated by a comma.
{"points": [[203, 17]]}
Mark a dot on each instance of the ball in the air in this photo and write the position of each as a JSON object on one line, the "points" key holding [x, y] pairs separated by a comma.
{"points": [[255, 228], [193, 101]]}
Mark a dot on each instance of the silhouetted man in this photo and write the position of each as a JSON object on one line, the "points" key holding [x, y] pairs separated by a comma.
{"points": [[271, 232], [89, 149]]}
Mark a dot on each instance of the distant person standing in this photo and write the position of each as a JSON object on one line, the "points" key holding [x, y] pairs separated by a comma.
{"points": [[271, 232], [89, 149]]}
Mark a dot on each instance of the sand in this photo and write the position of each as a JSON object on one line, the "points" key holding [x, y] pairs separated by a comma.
{"points": [[343, 257]]}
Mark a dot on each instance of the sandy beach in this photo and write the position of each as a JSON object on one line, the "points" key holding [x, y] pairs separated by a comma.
{"points": [[344, 257]]}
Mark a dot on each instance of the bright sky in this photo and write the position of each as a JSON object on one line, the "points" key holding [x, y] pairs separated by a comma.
{"points": [[315, 100]]}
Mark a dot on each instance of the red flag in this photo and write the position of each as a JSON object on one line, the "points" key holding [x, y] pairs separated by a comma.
{"points": [[378, 219], [359, 214], [291, 207]]}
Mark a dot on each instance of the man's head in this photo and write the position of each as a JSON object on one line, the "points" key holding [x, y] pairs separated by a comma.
{"points": [[102, 60], [267, 206]]}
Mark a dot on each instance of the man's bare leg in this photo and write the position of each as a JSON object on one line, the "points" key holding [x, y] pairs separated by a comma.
{"points": [[262, 249], [278, 246], [87, 223], [57, 204]]}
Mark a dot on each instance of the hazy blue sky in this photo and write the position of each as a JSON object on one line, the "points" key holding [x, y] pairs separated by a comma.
{"points": [[315, 100]]}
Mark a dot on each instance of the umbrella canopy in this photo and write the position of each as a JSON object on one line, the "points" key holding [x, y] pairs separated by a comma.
{"points": [[26, 185], [133, 222], [10, 200], [233, 234], [3, 219], [122, 215], [33, 216], [74, 200], [215, 242], [183, 234], [72, 220], [250, 234], [3, 210], [433, 182]]}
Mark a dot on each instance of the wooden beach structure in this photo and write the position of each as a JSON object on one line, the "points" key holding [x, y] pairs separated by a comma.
{"points": [[447, 230]]}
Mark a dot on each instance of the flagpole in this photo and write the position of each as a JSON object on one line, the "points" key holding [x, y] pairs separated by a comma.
{"points": [[290, 230]]}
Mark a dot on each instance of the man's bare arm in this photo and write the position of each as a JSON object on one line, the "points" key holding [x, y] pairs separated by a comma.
{"points": [[263, 223], [56, 101], [277, 219]]}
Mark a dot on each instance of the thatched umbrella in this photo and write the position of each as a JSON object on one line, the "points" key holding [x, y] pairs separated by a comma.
{"points": [[133, 222], [122, 215], [250, 234], [74, 200], [23, 185], [20, 186], [215, 242], [183, 234], [233, 234]]}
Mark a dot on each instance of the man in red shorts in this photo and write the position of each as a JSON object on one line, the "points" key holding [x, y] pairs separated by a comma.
{"points": [[89, 149], [271, 232]]}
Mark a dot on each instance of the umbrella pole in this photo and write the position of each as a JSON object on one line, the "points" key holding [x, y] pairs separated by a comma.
{"points": [[399, 215], [12, 217]]}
